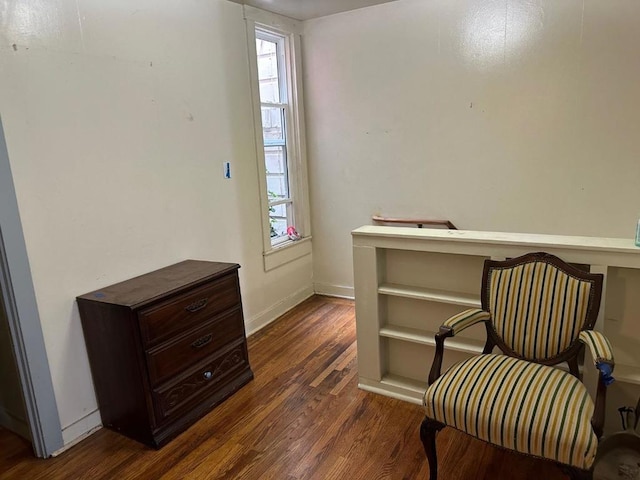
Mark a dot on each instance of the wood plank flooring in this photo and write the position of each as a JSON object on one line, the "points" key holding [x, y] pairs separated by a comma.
{"points": [[302, 417]]}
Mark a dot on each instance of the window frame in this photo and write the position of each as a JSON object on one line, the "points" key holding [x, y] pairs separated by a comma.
{"points": [[283, 105], [289, 30]]}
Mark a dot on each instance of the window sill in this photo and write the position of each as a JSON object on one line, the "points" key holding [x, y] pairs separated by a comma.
{"points": [[286, 252]]}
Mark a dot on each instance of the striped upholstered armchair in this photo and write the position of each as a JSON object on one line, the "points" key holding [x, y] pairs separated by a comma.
{"points": [[539, 311]]}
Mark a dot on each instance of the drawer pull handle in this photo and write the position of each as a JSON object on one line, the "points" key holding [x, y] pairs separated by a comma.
{"points": [[195, 306], [208, 375], [202, 341]]}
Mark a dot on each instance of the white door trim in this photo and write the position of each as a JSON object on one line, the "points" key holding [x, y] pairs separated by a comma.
{"points": [[16, 288]]}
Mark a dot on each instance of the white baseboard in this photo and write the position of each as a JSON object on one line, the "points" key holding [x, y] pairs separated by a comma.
{"points": [[79, 430], [15, 424], [267, 316], [399, 393], [334, 290]]}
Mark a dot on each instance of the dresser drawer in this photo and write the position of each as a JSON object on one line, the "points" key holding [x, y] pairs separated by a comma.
{"points": [[180, 313], [175, 398], [176, 355]]}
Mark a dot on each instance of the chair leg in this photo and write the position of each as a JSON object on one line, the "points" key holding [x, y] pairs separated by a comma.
{"points": [[578, 474], [428, 431]]}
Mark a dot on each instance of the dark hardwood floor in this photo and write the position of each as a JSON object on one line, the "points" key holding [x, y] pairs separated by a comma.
{"points": [[302, 417]]}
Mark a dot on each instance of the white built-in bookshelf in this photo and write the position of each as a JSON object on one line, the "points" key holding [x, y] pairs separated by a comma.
{"points": [[408, 281]]}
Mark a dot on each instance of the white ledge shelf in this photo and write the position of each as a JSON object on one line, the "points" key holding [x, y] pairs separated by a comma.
{"points": [[430, 294], [423, 337]]}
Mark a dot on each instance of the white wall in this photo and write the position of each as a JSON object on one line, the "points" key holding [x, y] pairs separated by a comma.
{"points": [[118, 115], [503, 115]]}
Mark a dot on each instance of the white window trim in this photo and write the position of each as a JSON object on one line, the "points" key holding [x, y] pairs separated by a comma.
{"points": [[285, 251]]}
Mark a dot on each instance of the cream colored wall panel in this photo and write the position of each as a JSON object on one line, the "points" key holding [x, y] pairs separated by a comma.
{"points": [[118, 116], [498, 115], [49, 24]]}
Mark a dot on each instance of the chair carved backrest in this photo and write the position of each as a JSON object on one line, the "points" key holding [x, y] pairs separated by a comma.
{"points": [[538, 305]]}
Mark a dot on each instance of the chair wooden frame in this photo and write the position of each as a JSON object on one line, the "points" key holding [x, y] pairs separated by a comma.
{"points": [[431, 427]]}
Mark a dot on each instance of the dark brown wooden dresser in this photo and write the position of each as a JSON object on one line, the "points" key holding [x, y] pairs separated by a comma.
{"points": [[166, 347]]}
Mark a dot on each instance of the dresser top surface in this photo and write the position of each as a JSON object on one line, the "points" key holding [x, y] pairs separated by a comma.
{"points": [[140, 291]]}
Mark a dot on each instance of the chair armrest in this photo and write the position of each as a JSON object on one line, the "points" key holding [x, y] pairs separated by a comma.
{"points": [[449, 328], [465, 319], [599, 346], [602, 354]]}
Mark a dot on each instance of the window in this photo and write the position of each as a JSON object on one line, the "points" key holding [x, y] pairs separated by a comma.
{"points": [[272, 82], [278, 116]]}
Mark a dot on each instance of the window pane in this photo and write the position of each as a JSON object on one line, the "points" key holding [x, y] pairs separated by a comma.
{"points": [[275, 161], [273, 125], [277, 187], [268, 71], [279, 211], [280, 217], [277, 177]]}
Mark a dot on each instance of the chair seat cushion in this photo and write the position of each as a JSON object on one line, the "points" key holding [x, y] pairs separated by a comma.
{"points": [[519, 405]]}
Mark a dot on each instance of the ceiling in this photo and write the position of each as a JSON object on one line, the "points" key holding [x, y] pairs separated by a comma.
{"points": [[307, 9]]}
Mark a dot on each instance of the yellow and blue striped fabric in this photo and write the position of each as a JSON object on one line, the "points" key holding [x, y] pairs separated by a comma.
{"points": [[537, 309], [600, 347], [519, 405], [465, 319]]}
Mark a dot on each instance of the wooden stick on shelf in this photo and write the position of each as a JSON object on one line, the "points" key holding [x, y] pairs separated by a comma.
{"points": [[415, 221]]}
